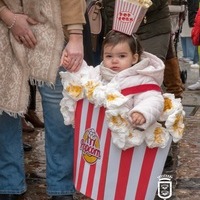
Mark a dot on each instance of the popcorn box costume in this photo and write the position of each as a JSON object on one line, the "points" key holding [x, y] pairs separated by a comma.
{"points": [[128, 15], [112, 159], [102, 171]]}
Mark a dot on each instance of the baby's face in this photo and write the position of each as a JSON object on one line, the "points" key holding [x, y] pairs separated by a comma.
{"points": [[118, 57]]}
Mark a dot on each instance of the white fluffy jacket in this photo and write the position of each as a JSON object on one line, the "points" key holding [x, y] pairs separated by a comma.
{"points": [[150, 70]]}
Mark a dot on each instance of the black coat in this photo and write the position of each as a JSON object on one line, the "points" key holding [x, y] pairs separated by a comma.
{"points": [[193, 6], [157, 19]]}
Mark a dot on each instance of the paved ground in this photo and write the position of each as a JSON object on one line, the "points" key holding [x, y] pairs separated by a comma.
{"points": [[186, 154]]}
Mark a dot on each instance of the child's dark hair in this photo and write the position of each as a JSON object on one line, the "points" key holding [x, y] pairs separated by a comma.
{"points": [[114, 37]]}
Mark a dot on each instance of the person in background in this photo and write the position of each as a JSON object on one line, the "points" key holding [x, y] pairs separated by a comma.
{"points": [[172, 67], [87, 43], [194, 19], [150, 35], [31, 119], [32, 37], [190, 52]]}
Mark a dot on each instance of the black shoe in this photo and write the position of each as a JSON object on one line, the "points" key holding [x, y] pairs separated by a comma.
{"points": [[9, 196], [62, 197], [26, 147]]}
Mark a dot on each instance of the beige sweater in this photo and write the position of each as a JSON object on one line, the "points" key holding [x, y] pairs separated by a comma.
{"points": [[19, 64]]}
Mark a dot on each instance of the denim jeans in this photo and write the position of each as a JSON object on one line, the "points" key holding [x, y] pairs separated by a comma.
{"points": [[58, 142], [58, 148], [12, 176], [189, 50]]}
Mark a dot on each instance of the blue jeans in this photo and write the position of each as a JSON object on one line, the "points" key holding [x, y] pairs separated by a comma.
{"points": [[58, 148], [12, 176], [189, 50]]}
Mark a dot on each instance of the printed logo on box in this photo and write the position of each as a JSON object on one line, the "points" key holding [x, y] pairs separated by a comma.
{"points": [[165, 186], [90, 146], [125, 16]]}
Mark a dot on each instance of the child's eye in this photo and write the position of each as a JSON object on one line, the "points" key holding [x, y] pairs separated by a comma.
{"points": [[122, 56], [108, 56]]}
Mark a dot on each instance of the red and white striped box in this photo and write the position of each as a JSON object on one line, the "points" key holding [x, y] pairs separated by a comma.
{"points": [[128, 16], [104, 172]]}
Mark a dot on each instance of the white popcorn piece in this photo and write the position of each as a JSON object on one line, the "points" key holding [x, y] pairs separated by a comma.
{"points": [[171, 104], [175, 125], [156, 136]]}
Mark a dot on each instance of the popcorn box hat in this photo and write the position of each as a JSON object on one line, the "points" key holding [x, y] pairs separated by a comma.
{"points": [[103, 171], [129, 14]]}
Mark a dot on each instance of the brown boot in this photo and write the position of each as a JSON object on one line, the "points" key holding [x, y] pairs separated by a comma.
{"points": [[32, 117], [172, 78], [26, 127]]}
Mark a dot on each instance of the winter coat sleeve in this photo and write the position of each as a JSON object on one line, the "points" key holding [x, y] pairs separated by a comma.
{"points": [[150, 104], [72, 12], [195, 34]]}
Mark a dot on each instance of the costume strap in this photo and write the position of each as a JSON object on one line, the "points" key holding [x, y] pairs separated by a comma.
{"points": [[140, 88]]}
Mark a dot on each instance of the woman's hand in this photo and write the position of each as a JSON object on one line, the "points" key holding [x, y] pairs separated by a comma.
{"points": [[72, 56], [20, 27], [22, 31]]}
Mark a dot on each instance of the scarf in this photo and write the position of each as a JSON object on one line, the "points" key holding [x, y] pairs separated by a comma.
{"points": [[19, 64], [106, 73]]}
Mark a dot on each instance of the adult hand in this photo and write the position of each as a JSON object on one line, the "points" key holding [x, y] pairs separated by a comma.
{"points": [[22, 31], [20, 27], [72, 56]]}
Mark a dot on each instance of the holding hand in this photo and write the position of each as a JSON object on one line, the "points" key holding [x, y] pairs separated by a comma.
{"points": [[72, 56]]}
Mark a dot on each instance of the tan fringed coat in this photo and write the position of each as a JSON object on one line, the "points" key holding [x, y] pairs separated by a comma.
{"points": [[19, 64]]}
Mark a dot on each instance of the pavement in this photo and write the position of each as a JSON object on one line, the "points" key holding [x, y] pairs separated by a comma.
{"points": [[185, 170]]}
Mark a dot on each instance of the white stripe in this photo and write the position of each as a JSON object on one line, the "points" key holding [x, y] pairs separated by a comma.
{"points": [[131, 25], [157, 171], [112, 172], [85, 179], [135, 169], [82, 128]]}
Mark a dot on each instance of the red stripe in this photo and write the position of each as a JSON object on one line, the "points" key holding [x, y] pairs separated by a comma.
{"points": [[140, 88], [123, 175], [93, 167], [102, 181], [145, 173], [88, 124], [77, 118]]}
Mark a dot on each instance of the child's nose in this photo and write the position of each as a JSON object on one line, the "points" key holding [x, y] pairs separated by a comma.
{"points": [[114, 59]]}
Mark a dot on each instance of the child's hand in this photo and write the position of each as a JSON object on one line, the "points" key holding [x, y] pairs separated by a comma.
{"points": [[65, 60], [137, 118]]}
